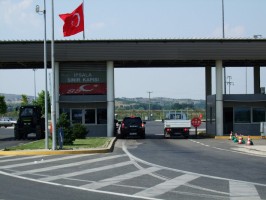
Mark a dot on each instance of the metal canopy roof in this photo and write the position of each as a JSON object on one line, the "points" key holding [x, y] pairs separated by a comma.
{"points": [[137, 53]]}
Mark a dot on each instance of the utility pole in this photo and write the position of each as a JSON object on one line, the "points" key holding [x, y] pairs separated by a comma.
{"points": [[149, 118], [229, 82]]}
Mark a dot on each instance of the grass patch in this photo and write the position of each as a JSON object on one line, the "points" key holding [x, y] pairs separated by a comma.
{"points": [[96, 142]]}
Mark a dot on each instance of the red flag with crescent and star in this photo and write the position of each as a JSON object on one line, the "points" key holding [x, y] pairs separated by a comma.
{"points": [[73, 22]]}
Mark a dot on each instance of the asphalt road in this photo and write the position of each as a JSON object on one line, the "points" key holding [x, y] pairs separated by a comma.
{"points": [[152, 168]]}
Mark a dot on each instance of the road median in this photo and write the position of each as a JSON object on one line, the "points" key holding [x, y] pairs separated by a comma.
{"points": [[106, 149]]}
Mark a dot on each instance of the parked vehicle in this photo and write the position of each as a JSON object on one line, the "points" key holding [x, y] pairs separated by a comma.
{"points": [[176, 124], [7, 121], [30, 121], [132, 127]]}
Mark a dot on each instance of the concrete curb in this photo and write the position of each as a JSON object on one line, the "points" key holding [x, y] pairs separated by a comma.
{"points": [[108, 149], [244, 137]]}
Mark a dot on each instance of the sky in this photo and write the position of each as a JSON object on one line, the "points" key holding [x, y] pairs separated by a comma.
{"points": [[138, 19]]}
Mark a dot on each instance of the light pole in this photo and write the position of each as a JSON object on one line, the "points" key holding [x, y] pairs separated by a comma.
{"points": [[45, 69], [223, 16], [34, 84], [149, 105], [223, 38]]}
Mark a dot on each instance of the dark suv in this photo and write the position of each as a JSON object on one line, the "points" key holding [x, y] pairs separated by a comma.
{"points": [[30, 120], [132, 126]]}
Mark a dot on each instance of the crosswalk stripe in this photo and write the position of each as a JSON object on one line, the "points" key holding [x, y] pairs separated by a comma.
{"points": [[117, 179], [243, 191], [22, 158], [167, 186], [87, 171], [68, 165], [41, 162]]}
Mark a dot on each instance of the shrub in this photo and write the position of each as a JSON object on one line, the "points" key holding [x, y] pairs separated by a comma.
{"points": [[63, 122], [79, 131]]}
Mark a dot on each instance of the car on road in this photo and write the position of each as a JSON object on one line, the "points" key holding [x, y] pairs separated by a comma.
{"points": [[176, 124], [132, 127], [7, 121]]}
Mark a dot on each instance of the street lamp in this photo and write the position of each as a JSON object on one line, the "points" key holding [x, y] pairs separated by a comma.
{"points": [[45, 69]]}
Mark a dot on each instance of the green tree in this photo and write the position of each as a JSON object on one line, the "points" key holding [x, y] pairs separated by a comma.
{"points": [[3, 106], [40, 101], [24, 100]]}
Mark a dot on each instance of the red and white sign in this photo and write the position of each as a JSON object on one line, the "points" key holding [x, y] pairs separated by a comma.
{"points": [[81, 89], [196, 122], [73, 22]]}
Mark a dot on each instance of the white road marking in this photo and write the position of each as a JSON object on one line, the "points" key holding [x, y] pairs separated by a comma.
{"points": [[243, 191], [22, 158], [87, 171], [229, 150], [117, 179], [167, 186], [182, 171], [68, 165], [44, 161], [78, 188]]}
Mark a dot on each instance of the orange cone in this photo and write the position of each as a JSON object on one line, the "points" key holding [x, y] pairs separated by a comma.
{"points": [[240, 140], [230, 138], [249, 142], [51, 129]]}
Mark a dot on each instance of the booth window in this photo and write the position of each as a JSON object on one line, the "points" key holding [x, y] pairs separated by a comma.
{"points": [[258, 115], [76, 116], [90, 116], [101, 116], [242, 115]]}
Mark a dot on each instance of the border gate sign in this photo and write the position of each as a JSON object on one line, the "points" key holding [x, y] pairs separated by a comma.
{"points": [[196, 122]]}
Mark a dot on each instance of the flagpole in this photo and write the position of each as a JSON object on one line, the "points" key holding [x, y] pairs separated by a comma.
{"points": [[84, 20], [53, 84], [45, 69]]}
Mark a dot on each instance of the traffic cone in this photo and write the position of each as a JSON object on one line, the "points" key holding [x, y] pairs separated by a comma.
{"points": [[234, 138], [240, 140], [249, 142], [230, 138], [51, 129]]}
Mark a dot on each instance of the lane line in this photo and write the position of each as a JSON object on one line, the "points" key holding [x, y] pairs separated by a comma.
{"points": [[234, 151], [167, 186], [60, 166], [120, 178], [87, 171], [243, 191]]}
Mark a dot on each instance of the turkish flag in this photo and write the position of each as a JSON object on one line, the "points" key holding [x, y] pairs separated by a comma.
{"points": [[74, 22]]}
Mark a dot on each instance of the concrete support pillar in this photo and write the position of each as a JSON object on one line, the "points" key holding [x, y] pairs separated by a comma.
{"points": [[219, 97], [208, 81], [208, 88], [256, 79], [56, 66], [110, 99]]}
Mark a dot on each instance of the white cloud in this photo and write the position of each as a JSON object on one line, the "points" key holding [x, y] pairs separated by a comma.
{"points": [[18, 18]]}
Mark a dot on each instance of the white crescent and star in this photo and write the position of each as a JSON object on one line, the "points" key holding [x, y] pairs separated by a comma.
{"points": [[82, 88], [78, 16]]}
